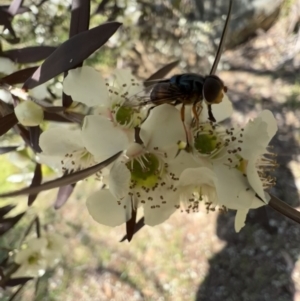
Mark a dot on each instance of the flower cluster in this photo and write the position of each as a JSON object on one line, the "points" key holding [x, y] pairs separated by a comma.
{"points": [[166, 163], [38, 255]]}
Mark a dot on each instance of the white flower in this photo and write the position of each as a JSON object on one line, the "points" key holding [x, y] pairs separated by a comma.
{"points": [[237, 158], [86, 85], [54, 248], [257, 136], [31, 260], [165, 163], [146, 175], [113, 130], [102, 138], [235, 192], [39, 254], [101, 135], [64, 148], [213, 176], [197, 185], [28, 113]]}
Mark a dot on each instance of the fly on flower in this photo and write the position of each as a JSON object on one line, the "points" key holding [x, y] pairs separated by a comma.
{"points": [[189, 88]]}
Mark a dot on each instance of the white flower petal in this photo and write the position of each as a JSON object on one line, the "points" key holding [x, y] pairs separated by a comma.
{"points": [[257, 135], [134, 149], [256, 202], [52, 161], [31, 270], [52, 258], [34, 246], [269, 118], [155, 216], [104, 209], [55, 242], [86, 85], [197, 181], [254, 179], [163, 128], [221, 111], [240, 219], [119, 180], [102, 138], [22, 256], [267, 198], [60, 141], [186, 160], [7, 66], [37, 244], [197, 176], [233, 188], [124, 77], [55, 247]]}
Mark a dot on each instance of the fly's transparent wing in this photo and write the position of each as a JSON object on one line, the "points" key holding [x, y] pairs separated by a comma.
{"points": [[158, 93], [142, 98]]}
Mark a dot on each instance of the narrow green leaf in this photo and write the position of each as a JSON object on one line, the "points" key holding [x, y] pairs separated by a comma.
{"points": [[64, 180]]}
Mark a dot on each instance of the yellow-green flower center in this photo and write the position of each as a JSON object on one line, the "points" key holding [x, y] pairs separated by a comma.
{"points": [[205, 143], [33, 259], [124, 115], [145, 171]]}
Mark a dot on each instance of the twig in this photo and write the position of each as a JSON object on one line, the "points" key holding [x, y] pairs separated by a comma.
{"points": [[284, 209]]}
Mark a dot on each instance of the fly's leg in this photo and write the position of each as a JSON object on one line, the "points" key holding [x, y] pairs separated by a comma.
{"points": [[195, 113], [185, 146], [210, 114], [196, 109], [182, 113]]}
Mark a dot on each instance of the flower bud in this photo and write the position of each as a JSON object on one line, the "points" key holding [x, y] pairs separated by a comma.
{"points": [[5, 96], [29, 114], [7, 66]]}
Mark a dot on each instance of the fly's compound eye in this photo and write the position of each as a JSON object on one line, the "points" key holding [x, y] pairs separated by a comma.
{"points": [[213, 90]]}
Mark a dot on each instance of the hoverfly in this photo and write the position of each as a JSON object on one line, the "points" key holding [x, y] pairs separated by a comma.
{"points": [[191, 88]]}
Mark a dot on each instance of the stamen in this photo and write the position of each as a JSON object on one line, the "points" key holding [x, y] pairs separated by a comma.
{"points": [[265, 165], [77, 160]]}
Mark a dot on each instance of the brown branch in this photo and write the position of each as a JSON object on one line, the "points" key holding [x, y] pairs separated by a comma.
{"points": [[284, 209]]}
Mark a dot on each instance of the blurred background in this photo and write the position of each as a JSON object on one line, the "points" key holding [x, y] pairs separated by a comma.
{"points": [[189, 257]]}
